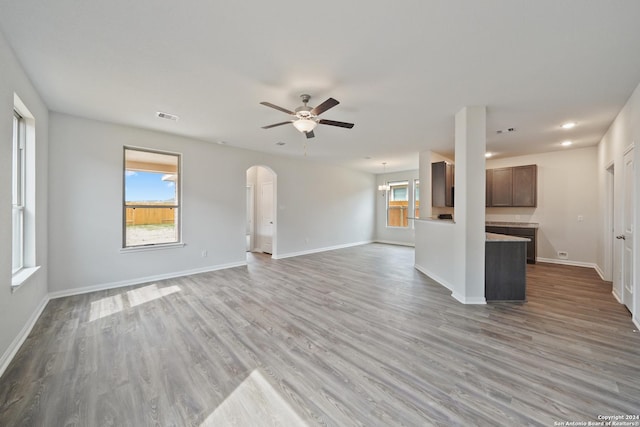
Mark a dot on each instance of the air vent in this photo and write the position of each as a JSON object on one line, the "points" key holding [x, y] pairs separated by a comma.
{"points": [[167, 116], [508, 130]]}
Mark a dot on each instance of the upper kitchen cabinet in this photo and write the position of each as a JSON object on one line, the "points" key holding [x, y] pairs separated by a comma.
{"points": [[512, 187], [442, 184], [525, 185], [502, 187]]}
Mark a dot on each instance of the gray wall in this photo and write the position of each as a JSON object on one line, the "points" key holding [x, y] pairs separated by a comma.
{"points": [[318, 206]]}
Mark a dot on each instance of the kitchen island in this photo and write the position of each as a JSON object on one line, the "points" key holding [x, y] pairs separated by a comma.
{"points": [[505, 268]]}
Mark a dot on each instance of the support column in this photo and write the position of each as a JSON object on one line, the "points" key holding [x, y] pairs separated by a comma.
{"points": [[469, 202]]}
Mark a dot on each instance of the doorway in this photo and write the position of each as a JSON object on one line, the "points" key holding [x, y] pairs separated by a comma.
{"points": [[261, 212]]}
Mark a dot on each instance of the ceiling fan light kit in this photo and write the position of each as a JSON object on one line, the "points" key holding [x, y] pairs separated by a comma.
{"points": [[305, 125], [305, 118]]}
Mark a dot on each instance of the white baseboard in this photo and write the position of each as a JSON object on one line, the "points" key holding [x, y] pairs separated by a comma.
{"points": [[636, 322], [318, 250], [449, 286], [8, 355], [465, 300], [568, 262], [600, 272], [391, 242], [616, 296], [435, 277], [140, 280]]}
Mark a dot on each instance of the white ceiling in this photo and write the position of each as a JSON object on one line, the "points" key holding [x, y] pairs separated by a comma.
{"points": [[401, 70]]}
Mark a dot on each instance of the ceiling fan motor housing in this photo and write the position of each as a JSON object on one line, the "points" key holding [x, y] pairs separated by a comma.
{"points": [[304, 111]]}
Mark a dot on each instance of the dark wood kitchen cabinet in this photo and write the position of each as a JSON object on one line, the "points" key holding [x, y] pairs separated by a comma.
{"points": [[525, 185], [512, 187], [505, 271], [442, 184], [502, 187]]}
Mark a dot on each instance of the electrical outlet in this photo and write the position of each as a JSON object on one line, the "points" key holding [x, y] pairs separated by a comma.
{"points": [[563, 255], [205, 253], [580, 218]]}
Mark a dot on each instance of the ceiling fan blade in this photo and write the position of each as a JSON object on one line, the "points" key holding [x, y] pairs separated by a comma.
{"points": [[309, 134], [334, 123], [277, 124], [329, 103], [284, 110]]}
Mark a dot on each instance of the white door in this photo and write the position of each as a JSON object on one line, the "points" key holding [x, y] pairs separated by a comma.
{"points": [[627, 232], [266, 217], [249, 232]]}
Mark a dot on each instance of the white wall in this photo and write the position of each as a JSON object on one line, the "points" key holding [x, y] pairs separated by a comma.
{"points": [[319, 206], [623, 133], [18, 310], [394, 235], [435, 250], [567, 189]]}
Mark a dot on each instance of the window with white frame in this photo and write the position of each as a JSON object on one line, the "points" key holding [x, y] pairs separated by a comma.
{"points": [[18, 194], [151, 199], [23, 195], [398, 204]]}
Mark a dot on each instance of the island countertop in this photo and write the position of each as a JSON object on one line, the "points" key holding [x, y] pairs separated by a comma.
{"points": [[493, 237], [512, 224]]}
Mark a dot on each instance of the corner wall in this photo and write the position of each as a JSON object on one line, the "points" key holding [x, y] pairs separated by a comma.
{"points": [[623, 133], [20, 309]]}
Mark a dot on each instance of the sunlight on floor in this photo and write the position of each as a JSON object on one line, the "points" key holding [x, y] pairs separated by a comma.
{"points": [[149, 293], [111, 305], [254, 403], [106, 307]]}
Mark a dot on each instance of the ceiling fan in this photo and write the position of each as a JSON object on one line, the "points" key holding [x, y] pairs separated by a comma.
{"points": [[305, 118]]}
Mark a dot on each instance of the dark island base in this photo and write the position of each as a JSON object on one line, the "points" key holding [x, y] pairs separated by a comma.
{"points": [[505, 271]]}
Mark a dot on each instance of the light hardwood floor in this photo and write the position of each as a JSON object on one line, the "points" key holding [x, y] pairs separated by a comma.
{"points": [[348, 337]]}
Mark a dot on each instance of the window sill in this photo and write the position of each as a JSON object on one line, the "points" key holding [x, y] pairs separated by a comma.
{"points": [[22, 276], [152, 247]]}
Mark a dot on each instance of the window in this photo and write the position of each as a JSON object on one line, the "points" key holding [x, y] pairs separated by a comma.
{"points": [[18, 195], [151, 207], [23, 195], [398, 204], [416, 198]]}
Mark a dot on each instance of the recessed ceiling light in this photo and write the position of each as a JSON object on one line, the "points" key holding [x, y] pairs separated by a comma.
{"points": [[569, 125], [280, 143], [487, 154], [566, 143], [167, 116], [222, 142]]}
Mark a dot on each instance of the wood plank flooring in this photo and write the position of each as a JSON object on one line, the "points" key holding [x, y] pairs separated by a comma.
{"points": [[349, 337]]}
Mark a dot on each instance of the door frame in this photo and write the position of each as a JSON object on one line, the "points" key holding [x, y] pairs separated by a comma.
{"points": [[609, 232], [253, 178], [251, 215], [628, 300]]}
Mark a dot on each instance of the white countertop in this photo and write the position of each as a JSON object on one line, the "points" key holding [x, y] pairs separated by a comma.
{"points": [[492, 237], [512, 224]]}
